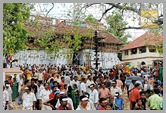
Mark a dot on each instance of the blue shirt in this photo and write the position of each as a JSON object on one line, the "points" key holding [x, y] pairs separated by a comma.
{"points": [[51, 85], [119, 102]]}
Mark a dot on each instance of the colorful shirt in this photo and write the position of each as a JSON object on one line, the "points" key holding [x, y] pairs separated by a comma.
{"points": [[155, 102], [119, 102]]}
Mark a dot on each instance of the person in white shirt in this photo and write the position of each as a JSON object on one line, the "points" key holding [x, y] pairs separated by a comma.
{"points": [[28, 99], [40, 75], [94, 94], [83, 86], [90, 102], [67, 79], [115, 89], [89, 82], [69, 101], [84, 103], [44, 96], [75, 81], [20, 83], [9, 90], [40, 87], [5, 98]]}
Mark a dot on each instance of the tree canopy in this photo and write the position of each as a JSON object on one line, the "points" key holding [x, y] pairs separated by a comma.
{"points": [[14, 32]]}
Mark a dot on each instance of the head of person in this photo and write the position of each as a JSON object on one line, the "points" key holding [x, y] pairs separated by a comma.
{"points": [[55, 83], [15, 75], [46, 85], [21, 76], [27, 89], [10, 77], [62, 93], [156, 90], [103, 85], [159, 87], [108, 107], [103, 102], [139, 102], [137, 85], [92, 87], [54, 89], [39, 82], [75, 78], [142, 94], [74, 86], [133, 81], [117, 94], [62, 79], [69, 88], [83, 80], [7, 85], [27, 83], [32, 81], [56, 94], [114, 83], [84, 100], [71, 78], [63, 100], [111, 99]]}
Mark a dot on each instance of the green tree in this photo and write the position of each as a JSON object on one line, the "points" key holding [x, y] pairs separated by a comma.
{"points": [[91, 19], [14, 32], [158, 32], [116, 22]]}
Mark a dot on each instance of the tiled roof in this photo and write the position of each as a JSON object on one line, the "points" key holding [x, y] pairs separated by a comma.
{"points": [[63, 29], [107, 37], [143, 40]]}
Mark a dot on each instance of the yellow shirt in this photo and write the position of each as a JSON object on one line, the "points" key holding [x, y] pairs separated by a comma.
{"points": [[28, 76]]}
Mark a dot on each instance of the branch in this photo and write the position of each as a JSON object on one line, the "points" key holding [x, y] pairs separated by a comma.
{"points": [[113, 6], [123, 9], [50, 9], [105, 12], [126, 8], [130, 28]]}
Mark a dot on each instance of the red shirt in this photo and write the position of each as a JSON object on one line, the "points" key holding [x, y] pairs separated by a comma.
{"points": [[45, 76], [134, 95], [101, 108], [51, 96], [111, 75], [62, 84], [33, 69]]}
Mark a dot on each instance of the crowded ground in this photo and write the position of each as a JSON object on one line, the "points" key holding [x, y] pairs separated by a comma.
{"points": [[79, 87]]}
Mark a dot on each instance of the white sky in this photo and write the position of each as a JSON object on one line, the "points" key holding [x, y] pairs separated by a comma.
{"points": [[60, 11]]}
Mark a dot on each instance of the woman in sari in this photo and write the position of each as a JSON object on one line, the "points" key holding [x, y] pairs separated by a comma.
{"points": [[14, 89], [75, 96]]}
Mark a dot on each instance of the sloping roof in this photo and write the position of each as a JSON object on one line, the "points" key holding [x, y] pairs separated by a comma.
{"points": [[85, 32], [109, 38], [143, 40], [63, 29]]}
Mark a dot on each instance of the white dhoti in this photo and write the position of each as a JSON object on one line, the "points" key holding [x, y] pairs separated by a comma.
{"points": [[45, 107], [27, 108]]}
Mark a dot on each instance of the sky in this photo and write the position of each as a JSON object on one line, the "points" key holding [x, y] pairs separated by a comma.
{"points": [[60, 11]]}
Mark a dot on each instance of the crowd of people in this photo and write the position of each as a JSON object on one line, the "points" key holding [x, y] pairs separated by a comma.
{"points": [[72, 87]]}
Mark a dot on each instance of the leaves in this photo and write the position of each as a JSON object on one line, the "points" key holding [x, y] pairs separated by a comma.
{"points": [[14, 32], [115, 22]]}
